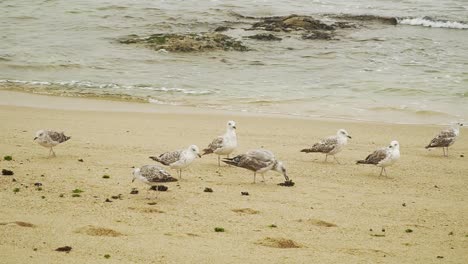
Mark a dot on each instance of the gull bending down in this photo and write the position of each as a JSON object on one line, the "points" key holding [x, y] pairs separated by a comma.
{"points": [[258, 161]]}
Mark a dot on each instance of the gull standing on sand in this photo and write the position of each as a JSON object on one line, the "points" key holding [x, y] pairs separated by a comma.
{"points": [[225, 144], [178, 159], [50, 139], [330, 145], [446, 138], [258, 161], [383, 157], [152, 175]]}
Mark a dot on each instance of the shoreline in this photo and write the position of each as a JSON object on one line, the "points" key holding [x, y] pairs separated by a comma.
{"points": [[34, 100], [334, 213]]}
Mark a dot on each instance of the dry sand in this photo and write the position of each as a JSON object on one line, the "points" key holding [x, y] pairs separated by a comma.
{"points": [[334, 214]]}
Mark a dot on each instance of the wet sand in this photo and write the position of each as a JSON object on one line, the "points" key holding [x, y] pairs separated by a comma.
{"points": [[334, 214]]}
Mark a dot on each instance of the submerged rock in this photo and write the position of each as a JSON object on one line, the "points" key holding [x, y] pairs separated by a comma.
{"points": [[187, 42], [265, 37], [291, 23], [367, 18]]}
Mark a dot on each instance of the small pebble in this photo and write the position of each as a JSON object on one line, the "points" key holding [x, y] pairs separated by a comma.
{"points": [[37, 184], [245, 193], [403, 204], [134, 191], [108, 201], [462, 156], [208, 190], [440, 257], [81, 160]]}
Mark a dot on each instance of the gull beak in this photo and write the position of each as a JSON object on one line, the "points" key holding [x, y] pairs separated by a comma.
{"points": [[199, 155], [349, 136], [234, 127], [35, 138]]}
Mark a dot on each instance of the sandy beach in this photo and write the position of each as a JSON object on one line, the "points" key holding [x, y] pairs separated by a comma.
{"points": [[334, 214]]}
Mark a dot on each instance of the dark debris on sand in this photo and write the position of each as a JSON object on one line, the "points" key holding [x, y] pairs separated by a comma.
{"points": [[289, 183], [66, 249], [6, 172]]}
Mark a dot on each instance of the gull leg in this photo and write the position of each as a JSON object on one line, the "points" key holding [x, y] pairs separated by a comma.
{"points": [[53, 152], [219, 161], [443, 149], [447, 151], [381, 170], [336, 159], [263, 177], [385, 172], [50, 152], [326, 156], [255, 175]]}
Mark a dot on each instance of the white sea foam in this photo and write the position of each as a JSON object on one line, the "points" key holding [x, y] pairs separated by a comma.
{"points": [[428, 22], [113, 86]]}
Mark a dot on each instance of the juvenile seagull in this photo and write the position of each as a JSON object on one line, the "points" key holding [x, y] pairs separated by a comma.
{"points": [[446, 138], [50, 139], [178, 159], [258, 161], [330, 145], [225, 144], [152, 175], [383, 157]]}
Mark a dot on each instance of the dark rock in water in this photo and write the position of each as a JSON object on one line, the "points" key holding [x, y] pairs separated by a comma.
{"points": [[291, 23], [7, 172], [64, 249], [289, 183], [325, 35], [187, 42], [208, 190], [221, 29], [265, 37], [368, 18], [245, 193], [160, 188], [134, 191]]}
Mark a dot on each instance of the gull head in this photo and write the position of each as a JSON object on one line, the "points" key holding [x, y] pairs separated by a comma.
{"points": [[136, 173], [343, 133], [394, 145], [231, 125], [279, 167], [195, 150], [458, 125], [39, 134]]}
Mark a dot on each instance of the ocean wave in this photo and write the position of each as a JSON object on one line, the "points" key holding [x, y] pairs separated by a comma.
{"points": [[57, 85], [430, 22]]}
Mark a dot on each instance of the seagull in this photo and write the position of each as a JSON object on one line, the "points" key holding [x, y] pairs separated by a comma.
{"points": [[225, 144], [383, 157], [178, 159], [258, 161], [330, 145], [50, 139], [152, 175], [446, 138]]}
